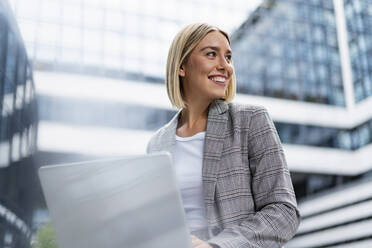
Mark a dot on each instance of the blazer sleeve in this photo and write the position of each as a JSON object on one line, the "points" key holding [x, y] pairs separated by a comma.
{"points": [[276, 218]]}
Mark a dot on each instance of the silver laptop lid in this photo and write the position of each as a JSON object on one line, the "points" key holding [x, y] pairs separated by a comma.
{"points": [[131, 202]]}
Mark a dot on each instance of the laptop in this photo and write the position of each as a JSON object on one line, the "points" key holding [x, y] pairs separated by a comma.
{"points": [[127, 202]]}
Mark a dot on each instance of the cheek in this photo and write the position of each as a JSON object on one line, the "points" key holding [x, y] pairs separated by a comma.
{"points": [[231, 69], [203, 69], [196, 69]]}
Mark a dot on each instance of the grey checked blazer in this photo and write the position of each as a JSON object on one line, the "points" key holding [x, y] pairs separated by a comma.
{"points": [[248, 192]]}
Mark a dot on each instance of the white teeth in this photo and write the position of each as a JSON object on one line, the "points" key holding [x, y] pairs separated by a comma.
{"points": [[219, 79]]}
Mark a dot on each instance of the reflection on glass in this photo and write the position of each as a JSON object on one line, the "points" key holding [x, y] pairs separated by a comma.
{"points": [[303, 35], [17, 118], [359, 20]]}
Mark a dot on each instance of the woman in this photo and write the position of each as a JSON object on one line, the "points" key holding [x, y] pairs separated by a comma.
{"points": [[234, 181]]}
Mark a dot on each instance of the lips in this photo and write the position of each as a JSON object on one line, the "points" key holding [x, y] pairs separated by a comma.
{"points": [[220, 80]]}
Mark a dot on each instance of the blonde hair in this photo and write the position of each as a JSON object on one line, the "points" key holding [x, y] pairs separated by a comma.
{"points": [[183, 44]]}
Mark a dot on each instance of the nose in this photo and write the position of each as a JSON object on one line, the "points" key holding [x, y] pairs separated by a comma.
{"points": [[224, 65]]}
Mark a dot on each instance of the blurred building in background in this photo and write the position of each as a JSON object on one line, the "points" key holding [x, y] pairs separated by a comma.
{"points": [[18, 134], [100, 64], [120, 39], [99, 68], [313, 69], [312, 62]]}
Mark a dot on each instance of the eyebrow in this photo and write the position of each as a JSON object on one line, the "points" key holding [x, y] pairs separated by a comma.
{"points": [[214, 48]]}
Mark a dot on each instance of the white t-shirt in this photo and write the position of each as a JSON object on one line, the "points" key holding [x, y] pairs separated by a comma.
{"points": [[188, 159]]}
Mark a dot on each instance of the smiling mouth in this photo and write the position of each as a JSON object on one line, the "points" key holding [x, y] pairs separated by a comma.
{"points": [[219, 80]]}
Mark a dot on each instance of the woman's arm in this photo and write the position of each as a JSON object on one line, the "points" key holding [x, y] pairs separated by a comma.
{"points": [[277, 218]]}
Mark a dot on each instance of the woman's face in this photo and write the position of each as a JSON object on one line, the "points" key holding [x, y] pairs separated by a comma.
{"points": [[208, 70]]}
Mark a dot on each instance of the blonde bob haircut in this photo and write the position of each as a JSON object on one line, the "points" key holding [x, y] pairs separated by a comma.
{"points": [[183, 44]]}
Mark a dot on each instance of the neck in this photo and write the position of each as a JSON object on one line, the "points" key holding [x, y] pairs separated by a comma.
{"points": [[193, 118]]}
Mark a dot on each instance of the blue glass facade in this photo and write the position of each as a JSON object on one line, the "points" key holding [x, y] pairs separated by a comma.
{"points": [[18, 125], [358, 14], [348, 139], [18, 106], [289, 49]]}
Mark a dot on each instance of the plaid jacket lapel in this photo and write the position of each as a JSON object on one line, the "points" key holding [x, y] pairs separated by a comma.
{"points": [[213, 145]]}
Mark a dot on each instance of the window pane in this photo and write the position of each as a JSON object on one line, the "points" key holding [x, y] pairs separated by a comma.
{"points": [[114, 20], [113, 42], [344, 139], [71, 37], [92, 40], [92, 58], [10, 70], [72, 13], [28, 30], [46, 53], [3, 41], [49, 34], [72, 56], [29, 9], [51, 10], [93, 17]]}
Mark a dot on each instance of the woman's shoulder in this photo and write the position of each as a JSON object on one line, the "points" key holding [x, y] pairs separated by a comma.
{"points": [[245, 109], [163, 135], [156, 139], [249, 116]]}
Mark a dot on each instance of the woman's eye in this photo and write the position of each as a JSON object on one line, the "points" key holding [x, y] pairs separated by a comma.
{"points": [[211, 54], [229, 57]]}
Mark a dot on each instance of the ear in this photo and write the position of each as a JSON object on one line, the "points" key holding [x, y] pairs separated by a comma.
{"points": [[181, 71]]}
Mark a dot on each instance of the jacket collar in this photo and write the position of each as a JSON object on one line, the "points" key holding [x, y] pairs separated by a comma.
{"points": [[217, 110], [217, 107]]}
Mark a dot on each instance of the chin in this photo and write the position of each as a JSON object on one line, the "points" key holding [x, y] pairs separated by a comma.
{"points": [[219, 96]]}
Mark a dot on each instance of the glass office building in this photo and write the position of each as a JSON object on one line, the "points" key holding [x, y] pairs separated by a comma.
{"points": [[290, 51], [317, 54], [112, 37], [108, 39], [358, 14], [18, 129]]}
